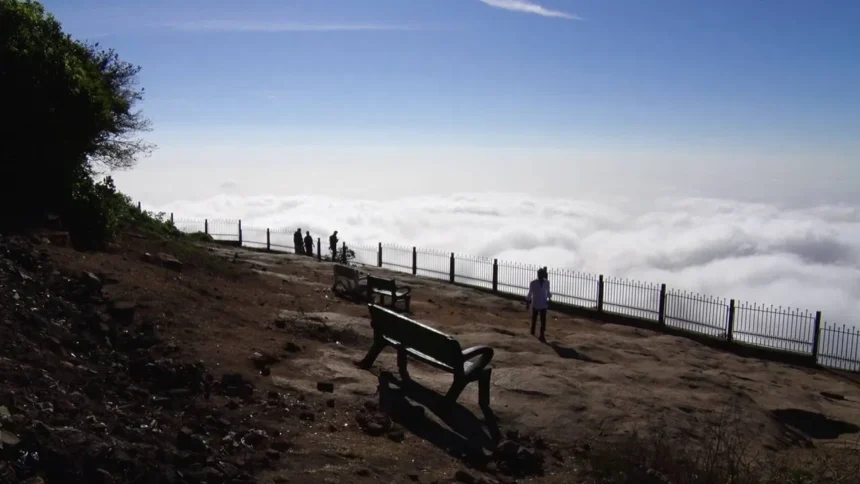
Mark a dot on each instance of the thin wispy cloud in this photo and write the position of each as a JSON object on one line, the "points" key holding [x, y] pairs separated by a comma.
{"points": [[524, 6], [274, 27]]}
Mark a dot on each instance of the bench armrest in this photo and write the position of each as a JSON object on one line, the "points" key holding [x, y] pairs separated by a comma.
{"points": [[476, 359]]}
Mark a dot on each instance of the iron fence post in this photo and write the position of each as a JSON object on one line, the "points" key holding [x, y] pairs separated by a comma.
{"points": [[379, 256], [171, 217], [268, 240], [414, 261], [600, 294], [343, 253], [451, 275], [139, 208], [206, 226], [319, 249], [662, 314], [495, 275], [730, 326], [240, 232], [816, 337]]}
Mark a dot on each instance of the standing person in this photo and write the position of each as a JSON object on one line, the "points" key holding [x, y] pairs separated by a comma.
{"points": [[297, 241], [538, 298], [332, 244], [309, 244]]}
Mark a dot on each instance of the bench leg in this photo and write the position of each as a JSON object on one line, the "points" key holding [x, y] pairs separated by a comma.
{"points": [[455, 390], [371, 355], [401, 366], [407, 300], [484, 388]]}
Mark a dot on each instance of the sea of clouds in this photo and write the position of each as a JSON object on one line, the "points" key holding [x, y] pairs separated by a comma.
{"points": [[806, 258]]}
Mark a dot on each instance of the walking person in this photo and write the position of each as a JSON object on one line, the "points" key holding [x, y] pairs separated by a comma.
{"points": [[332, 244], [538, 299], [297, 241], [309, 244]]}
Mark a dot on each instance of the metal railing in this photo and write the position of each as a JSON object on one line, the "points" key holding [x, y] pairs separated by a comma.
{"points": [[775, 328]]}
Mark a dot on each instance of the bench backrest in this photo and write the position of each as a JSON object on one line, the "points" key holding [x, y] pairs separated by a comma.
{"points": [[417, 336], [380, 283], [347, 272]]}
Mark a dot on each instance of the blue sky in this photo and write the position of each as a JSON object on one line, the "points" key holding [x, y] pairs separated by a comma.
{"points": [[740, 99]]}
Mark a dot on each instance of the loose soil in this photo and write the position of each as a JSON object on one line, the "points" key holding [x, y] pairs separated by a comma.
{"points": [[238, 366]]}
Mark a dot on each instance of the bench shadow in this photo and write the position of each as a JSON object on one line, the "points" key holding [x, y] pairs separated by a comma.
{"points": [[814, 424], [571, 353], [466, 436]]}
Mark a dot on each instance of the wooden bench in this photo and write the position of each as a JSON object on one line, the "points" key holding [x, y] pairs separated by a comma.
{"points": [[388, 288], [349, 281], [412, 339]]}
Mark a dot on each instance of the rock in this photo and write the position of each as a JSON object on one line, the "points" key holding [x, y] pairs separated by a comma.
{"points": [[282, 445], [255, 437], [464, 476], [397, 435], [834, 396], [266, 371], [122, 312], [4, 414], [8, 439], [412, 477], [33, 480], [92, 282], [280, 323], [308, 416], [326, 387], [292, 347], [169, 262], [104, 477], [273, 454], [261, 360], [183, 438], [330, 403]]}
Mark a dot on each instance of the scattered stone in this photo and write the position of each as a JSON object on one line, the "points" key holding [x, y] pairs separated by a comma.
{"points": [[4, 414], [463, 476], [308, 416], [8, 439], [834, 396], [92, 282], [122, 312], [330, 403], [397, 435], [261, 360], [273, 454], [413, 477], [169, 262], [34, 480], [280, 323], [104, 477], [292, 347], [266, 371], [326, 387]]}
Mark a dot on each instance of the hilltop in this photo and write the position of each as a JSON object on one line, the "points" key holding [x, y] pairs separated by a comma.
{"points": [[163, 359]]}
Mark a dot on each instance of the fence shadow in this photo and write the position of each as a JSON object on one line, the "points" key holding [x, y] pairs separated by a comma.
{"points": [[466, 436]]}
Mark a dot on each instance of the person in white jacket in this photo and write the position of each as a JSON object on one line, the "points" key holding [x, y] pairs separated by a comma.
{"points": [[538, 299]]}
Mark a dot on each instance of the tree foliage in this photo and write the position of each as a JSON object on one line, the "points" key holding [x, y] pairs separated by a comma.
{"points": [[69, 111]]}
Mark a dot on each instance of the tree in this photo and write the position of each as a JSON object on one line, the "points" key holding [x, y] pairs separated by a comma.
{"points": [[69, 111]]}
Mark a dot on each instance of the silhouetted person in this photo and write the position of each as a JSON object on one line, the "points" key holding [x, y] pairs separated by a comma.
{"points": [[297, 241], [332, 244], [309, 244], [538, 298]]}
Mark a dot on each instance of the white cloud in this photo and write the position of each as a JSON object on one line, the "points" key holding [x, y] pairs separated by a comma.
{"points": [[524, 6], [801, 258], [256, 26]]}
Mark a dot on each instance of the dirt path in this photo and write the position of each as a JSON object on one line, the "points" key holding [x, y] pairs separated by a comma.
{"points": [[588, 378]]}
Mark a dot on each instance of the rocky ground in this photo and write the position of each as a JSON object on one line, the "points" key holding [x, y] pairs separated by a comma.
{"points": [[159, 361]]}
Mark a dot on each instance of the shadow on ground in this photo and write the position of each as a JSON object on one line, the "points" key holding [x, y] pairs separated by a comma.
{"points": [[464, 435], [814, 424], [571, 353]]}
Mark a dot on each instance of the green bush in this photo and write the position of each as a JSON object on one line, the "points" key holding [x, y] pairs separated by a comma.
{"points": [[71, 113]]}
